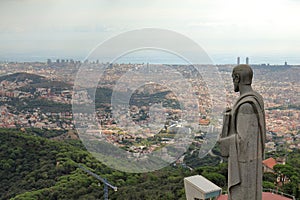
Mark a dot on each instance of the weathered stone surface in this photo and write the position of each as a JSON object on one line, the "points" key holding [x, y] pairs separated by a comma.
{"points": [[243, 137]]}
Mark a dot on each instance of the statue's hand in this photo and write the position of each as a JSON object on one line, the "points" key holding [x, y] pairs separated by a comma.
{"points": [[222, 143]]}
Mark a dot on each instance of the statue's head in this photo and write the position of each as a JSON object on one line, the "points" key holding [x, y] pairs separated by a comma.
{"points": [[241, 75]]}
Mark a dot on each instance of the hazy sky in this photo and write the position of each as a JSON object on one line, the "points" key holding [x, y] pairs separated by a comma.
{"points": [[264, 30]]}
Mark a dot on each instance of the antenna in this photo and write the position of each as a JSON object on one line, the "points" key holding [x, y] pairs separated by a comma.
{"points": [[106, 184]]}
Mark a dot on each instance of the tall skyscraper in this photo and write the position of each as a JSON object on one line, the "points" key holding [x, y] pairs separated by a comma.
{"points": [[238, 60], [247, 60]]}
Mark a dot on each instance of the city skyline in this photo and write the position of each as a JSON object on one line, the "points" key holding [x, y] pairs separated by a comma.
{"points": [[266, 32]]}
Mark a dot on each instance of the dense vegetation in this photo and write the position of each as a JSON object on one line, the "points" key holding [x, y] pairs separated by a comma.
{"points": [[104, 96], [32, 166], [22, 105], [22, 76], [35, 81]]}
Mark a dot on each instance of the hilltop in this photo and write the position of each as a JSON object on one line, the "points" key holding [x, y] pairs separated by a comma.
{"points": [[23, 76], [33, 81]]}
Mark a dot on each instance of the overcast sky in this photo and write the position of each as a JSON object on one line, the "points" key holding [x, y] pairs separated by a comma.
{"points": [[264, 30]]}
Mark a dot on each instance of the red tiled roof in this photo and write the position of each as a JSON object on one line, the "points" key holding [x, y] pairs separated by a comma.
{"points": [[270, 162], [270, 196], [265, 196], [204, 122]]}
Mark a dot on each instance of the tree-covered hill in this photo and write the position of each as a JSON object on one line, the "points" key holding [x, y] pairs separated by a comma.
{"points": [[34, 81], [22, 76], [33, 167], [32, 163]]}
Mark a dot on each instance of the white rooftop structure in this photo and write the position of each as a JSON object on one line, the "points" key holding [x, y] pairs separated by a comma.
{"points": [[199, 188]]}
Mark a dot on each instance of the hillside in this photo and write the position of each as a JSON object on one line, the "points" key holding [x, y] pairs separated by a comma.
{"points": [[31, 91], [31, 163], [34, 81], [22, 76], [33, 167]]}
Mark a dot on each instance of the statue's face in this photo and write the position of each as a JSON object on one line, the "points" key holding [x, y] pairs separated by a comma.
{"points": [[235, 80]]}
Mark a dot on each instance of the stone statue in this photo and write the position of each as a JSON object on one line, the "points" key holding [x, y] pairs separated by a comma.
{"points": [[243, 138]]}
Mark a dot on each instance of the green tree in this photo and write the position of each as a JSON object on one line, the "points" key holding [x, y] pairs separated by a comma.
{"points": [[269, 177]]}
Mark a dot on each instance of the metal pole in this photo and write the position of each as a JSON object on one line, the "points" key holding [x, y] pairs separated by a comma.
{"points": [[105, 190]]}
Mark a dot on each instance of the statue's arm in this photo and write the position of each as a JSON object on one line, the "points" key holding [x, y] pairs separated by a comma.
{"points": [[225, 143], [247, 130]]}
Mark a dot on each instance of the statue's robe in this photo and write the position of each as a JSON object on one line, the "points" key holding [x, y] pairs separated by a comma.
{"points": [[243, 144]]}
